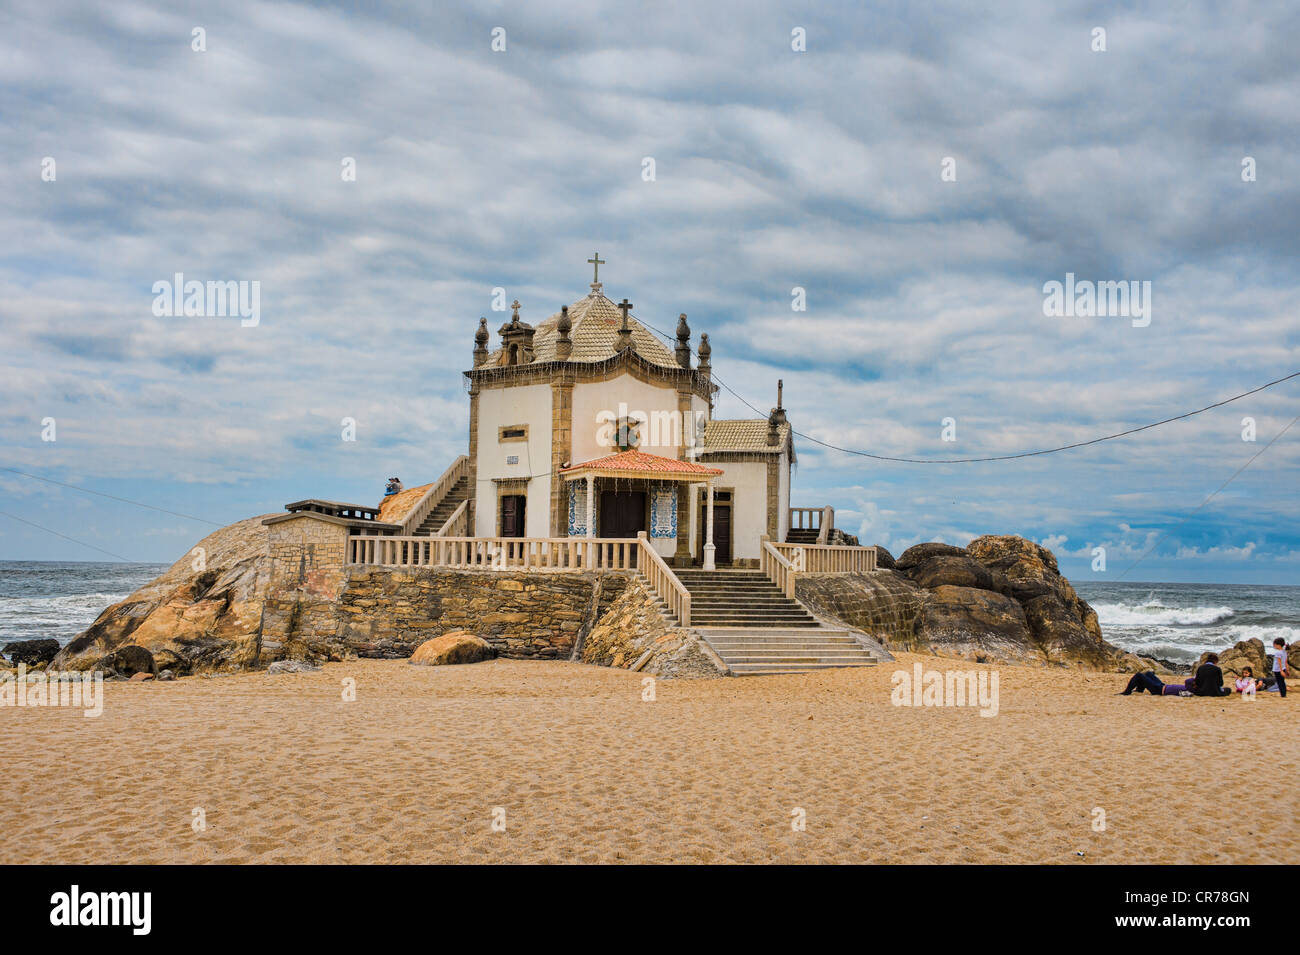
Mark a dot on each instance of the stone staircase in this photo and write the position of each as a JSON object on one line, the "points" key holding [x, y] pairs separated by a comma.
{"points": [[740, 598], [802, 535], [755, 628], [753, 651], [443, 511]]}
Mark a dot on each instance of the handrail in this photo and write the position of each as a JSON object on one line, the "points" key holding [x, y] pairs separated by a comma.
{"points": [[437, 491], [663, 581], [829, 558], [779, 570], [546, 554], [459, 521], [828, 523], [805, 518]]}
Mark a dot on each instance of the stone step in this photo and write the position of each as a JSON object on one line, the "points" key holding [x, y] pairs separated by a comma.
{"points": [[755, 620], [746, 604], [751, 651], [772, 669], [708, 590], [785, 643]]}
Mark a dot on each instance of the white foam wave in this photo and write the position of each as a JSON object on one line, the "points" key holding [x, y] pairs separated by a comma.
{"points": [[1152, 613]]}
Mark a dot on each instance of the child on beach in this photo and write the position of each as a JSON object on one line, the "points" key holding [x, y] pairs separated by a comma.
{"points": [[1278, 654], [1247, 684]]}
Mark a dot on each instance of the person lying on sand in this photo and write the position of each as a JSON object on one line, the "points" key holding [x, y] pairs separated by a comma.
{"points": [[1152, 684], [1209, 678]]}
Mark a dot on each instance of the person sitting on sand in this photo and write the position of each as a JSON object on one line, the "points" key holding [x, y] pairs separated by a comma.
{"points": [[1209, 678], [1247, 684], [1152, 684]]}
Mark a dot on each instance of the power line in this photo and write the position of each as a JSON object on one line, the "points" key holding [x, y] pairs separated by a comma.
{"points": [[997, 457], [1213, 495], [47, 530], [112, 497]]}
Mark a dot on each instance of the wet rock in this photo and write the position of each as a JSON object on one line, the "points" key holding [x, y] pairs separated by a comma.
{"points": [[129, 660], [32, 652]]}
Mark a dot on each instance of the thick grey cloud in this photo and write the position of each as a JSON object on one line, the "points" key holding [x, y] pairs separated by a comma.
{"points": [[775, 169]]}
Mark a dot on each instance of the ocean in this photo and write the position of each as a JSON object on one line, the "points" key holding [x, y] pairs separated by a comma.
{"points": [[40, 599], [1175, 622]]}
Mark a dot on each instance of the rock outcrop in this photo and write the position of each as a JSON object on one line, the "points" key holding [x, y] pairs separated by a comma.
{"points": [[203, 614], [1000, 599], [635, 635], [128, 660], [31, 652], [453, 647]]}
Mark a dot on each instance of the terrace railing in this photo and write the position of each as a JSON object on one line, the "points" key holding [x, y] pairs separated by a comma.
{"points": [[458, 524], [661, 579], [778, 568], [827, 558], [554, 554]]}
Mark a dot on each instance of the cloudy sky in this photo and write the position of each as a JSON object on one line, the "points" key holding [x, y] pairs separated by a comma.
{"points": [[774, 169]]}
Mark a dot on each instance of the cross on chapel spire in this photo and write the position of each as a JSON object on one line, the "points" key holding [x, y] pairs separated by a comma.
{"points": [[596, 262], [624, 332]]}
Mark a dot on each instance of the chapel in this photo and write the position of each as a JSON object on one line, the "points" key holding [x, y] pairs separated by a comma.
{"points": [[589, 424]]}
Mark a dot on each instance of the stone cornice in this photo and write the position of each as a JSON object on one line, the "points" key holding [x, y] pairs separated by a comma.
{"points": [[578, 372]]}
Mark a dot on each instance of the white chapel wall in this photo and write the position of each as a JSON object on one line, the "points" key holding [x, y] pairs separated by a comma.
{"points": [[528, 405], [748, 505], [592, 398]]}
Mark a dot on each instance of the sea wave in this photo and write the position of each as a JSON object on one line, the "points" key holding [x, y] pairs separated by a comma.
{"points": [[1152, 613]]}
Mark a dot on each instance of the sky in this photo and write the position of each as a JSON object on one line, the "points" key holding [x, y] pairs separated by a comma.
{"points": [[919, 171]]}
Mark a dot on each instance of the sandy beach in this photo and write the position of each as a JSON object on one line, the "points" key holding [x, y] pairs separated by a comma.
{"points": [[586, 771]]}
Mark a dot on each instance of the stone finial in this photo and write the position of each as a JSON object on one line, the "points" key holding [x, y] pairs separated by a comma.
{"points": [[516, 339], [564, 344], [480, 343], [683, 348], [778, 413], [705, 351], [776, 418], [624, 330]]}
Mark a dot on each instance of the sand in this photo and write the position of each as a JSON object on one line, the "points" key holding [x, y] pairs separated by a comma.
{"points": [[585, 771]]}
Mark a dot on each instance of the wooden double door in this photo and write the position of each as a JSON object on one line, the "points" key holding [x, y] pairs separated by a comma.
{"points": [[622, 513]]}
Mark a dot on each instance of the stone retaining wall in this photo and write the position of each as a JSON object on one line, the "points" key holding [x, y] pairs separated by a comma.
{"points": [[533, 616], [880, 604]]}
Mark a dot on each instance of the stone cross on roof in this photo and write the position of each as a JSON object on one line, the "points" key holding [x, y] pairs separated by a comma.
{"points": [[624, 332], [596, 262]]}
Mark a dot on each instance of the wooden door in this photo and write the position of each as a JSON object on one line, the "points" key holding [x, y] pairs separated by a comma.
{"points": [[512, 515], [722, 533], [622, 513]]}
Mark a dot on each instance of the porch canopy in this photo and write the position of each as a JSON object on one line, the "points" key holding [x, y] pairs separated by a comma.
{"points": [[640, 465]]}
